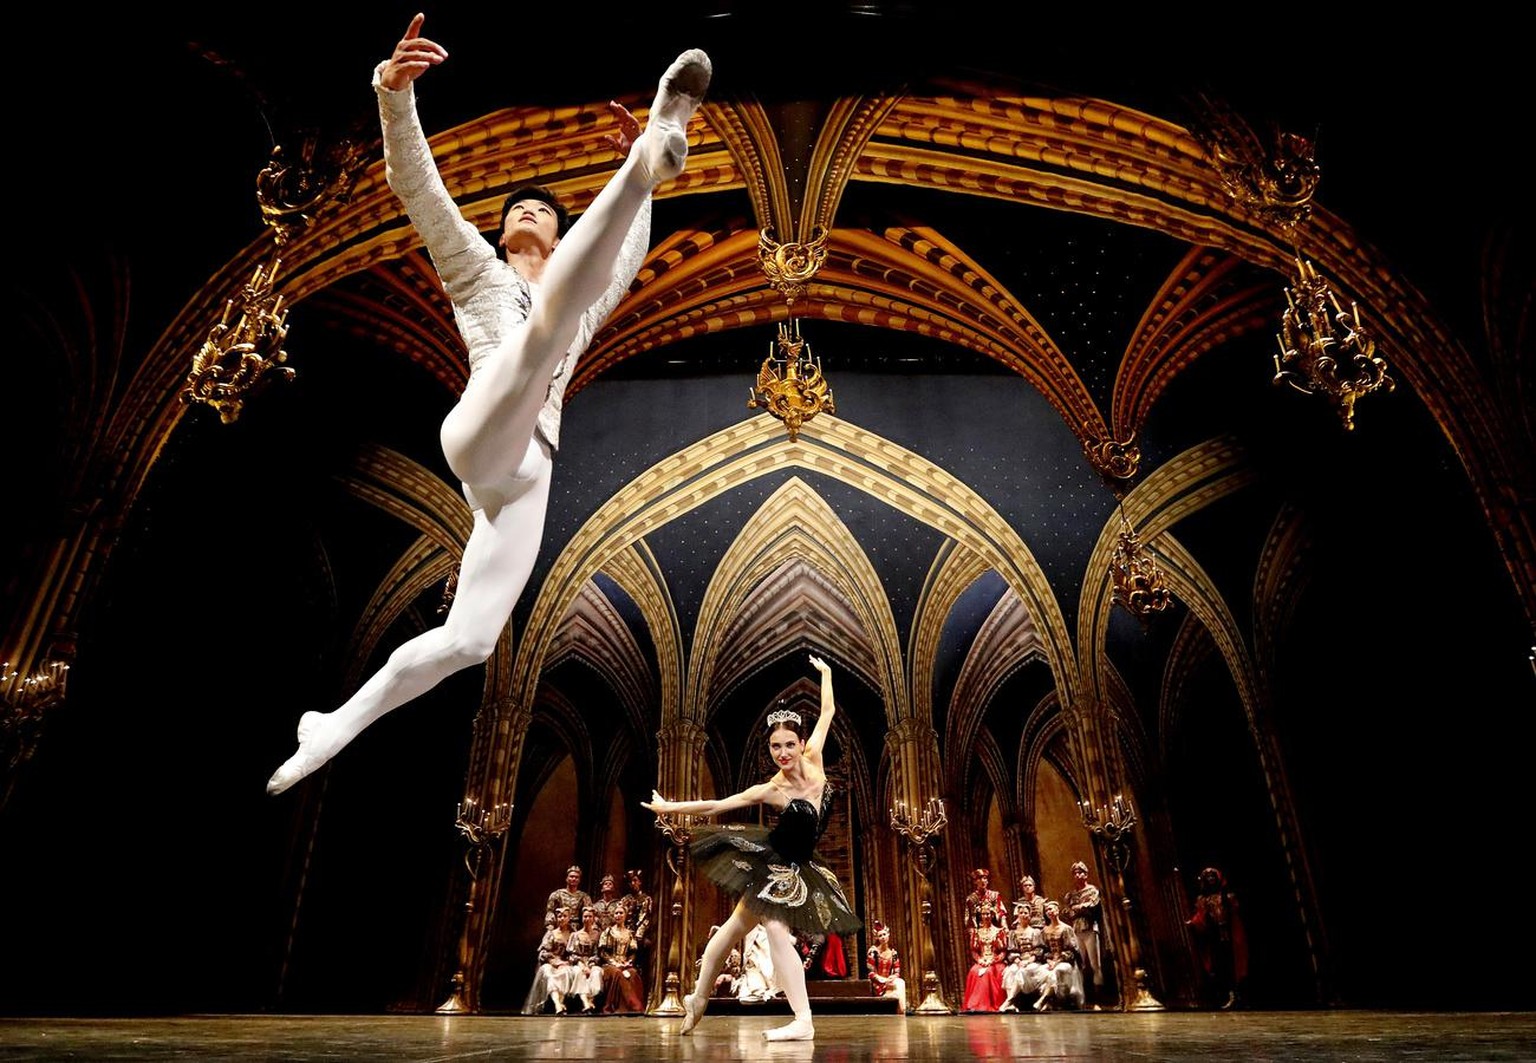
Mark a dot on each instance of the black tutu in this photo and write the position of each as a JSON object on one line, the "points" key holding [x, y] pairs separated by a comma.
{"points": [[773, 870]]}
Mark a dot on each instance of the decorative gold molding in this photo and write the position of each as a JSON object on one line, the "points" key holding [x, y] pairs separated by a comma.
{"points": [[1273, 176], [789, 266], [1116, 458]]}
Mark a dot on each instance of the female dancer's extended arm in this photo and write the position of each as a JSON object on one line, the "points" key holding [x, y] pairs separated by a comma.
{"points": [[752, 795]]}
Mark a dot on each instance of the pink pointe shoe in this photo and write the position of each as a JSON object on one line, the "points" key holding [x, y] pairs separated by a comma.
{"points": [[678, 95], [303, 763], [799, 1030], [693, 1011]]}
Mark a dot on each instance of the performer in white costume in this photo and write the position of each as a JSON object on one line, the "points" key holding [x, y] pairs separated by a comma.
{"points": [[525, 319]]}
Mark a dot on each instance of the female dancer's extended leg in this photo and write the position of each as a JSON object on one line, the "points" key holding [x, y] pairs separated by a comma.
{"points": [[789, 968], [715, 951]]}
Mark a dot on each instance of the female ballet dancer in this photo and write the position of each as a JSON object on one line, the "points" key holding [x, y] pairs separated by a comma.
{"points": [[525, 320], [773, 870]]}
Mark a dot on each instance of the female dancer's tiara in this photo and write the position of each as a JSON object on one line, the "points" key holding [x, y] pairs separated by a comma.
{"points": [[778, 716]]}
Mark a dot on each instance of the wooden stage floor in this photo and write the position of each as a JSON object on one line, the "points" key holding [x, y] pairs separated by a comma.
{"points": [[1173, 1037]]}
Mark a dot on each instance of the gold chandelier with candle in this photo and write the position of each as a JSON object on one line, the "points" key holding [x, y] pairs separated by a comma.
{"points": [[1323, 350], [244, 349], [1137, 582], [790, 383], [26, 697]]}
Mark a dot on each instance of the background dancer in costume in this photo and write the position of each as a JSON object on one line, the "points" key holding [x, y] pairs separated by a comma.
{"points": [[773, 871], [525, 321]]}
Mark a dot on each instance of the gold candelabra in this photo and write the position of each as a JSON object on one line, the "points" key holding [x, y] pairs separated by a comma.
{"points": [[1111, 826], [244, 349], [790, 384], [1320, 352], [1323, 349], [918, 827], [1138, 583], [678, 829], [25, 700], [480, 827]]}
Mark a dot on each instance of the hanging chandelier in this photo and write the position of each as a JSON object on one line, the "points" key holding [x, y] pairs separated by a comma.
{"points": [[790, 383], [1323, 350], [244, 349], [1135, 576]]}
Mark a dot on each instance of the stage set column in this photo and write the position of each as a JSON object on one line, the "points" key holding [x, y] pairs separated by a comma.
{"points": [[1109, 816], [679, 770], [917, 819]]}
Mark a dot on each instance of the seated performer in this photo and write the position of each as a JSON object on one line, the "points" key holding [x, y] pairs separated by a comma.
{"points": [[1025, 972], [555, 976], [587, 973], [757, 982], [885, 968], [1063, 984], [984, 980], [730, 974], [623, 986]]}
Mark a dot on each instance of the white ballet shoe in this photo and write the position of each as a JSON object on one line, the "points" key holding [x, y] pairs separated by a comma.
{"points": [[799, 1030], [678, 95], [693, 1011], [303, 763]]}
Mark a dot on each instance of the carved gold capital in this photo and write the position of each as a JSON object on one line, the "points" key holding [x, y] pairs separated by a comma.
{"points": [[790, 266], [1114, 457]]}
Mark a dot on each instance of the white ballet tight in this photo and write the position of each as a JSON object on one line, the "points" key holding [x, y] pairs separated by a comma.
{"points": [[490, 443], [788, 968]]}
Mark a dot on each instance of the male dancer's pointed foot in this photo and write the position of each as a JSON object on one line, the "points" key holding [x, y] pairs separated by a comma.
{"points": [[678, 95], [799, 1030], [693, 1011], [303, 763]]}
